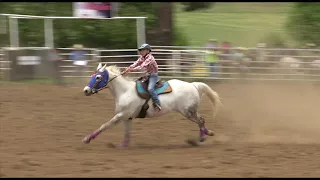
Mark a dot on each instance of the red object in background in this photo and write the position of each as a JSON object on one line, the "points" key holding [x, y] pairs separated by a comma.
{"points": [[99, 6], [103, 8], [226, 45]]}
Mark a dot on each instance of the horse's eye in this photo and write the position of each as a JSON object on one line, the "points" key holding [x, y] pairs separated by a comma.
{"points": [[98, 77]]}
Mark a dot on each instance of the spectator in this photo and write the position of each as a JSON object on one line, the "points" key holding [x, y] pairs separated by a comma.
{"points": [[312, 46], [225, 49], [226, 46], [78, 58], [56, 61], [225, 54], [240, 59], [212, 43], [261, 52], [211, 60]]}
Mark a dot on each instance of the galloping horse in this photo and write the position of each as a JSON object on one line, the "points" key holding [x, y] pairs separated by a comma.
{"points": [[133, 100]]}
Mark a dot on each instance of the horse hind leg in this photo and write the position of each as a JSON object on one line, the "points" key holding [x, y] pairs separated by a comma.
{"points": [[193, 115], [206, 131], [203, 130]]}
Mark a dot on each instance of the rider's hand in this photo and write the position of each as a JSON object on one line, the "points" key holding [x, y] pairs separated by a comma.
{"points": [[125, 71]]}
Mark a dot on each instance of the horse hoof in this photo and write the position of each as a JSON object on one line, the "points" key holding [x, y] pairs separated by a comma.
{"points": [[210, 133], [201, 139], [86, 140]]}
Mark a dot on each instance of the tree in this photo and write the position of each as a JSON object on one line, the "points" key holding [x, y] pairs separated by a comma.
{"points": [[192, 6], [304, 22], [91, 33]]}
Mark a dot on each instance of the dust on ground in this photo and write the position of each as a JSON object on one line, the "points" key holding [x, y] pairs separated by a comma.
{"points": [[263, 130]]}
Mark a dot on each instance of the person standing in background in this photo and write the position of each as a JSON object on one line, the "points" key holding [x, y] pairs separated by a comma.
{"points": [[211, 59], [226, 57], [226, 49], [212, 43], [55, 58], [240, 59], [79, 60]]}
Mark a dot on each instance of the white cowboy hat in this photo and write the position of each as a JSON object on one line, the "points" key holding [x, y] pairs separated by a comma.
{"points": [[77, 46], [261, 45]]}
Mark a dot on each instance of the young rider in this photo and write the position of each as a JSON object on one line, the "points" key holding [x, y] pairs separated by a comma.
{"points": [[147, 61]]}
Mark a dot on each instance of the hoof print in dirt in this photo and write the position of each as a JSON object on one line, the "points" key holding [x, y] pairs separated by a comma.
{"points": [[111, 145]]}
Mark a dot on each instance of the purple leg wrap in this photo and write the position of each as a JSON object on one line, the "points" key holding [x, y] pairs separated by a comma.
{"points": [[95, 134], [203, 132]]}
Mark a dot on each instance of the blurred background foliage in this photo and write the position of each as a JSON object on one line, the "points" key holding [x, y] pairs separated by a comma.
{"points": [[191, 23]]}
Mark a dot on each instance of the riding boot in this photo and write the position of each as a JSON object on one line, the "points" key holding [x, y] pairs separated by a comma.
{"points": [[156, 105]]}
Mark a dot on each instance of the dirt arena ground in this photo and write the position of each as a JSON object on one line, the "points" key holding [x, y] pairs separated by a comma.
{"points": [[263, 130]]}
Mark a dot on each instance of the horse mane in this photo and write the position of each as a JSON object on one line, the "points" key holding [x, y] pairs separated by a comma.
{"points": [[114, 69], [117, 71]]}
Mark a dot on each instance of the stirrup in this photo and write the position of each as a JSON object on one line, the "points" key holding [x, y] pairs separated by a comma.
{"points": [[157, 106]]}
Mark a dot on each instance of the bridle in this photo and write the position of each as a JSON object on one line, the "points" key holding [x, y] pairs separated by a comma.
{"points": [[94, 90]]}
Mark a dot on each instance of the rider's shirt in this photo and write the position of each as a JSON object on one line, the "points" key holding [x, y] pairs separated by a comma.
{"points": [[148, 62]]}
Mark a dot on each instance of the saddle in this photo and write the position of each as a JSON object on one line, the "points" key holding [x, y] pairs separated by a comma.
{"points": [[142, 90], [145, 81], [142, 87]]}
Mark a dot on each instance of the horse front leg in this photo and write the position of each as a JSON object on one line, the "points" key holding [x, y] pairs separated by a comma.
{"points": [[127, 130], [103, 127]]}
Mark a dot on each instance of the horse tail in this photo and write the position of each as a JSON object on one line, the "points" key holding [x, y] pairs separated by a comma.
{"points": [[213, 96]]}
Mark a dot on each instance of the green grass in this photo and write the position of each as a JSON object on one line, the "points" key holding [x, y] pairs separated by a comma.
{"points": [[243, 24]]}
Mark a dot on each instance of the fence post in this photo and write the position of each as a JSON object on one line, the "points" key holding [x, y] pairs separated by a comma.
{"points": [[14, 32], [48, 33], [176, 62], [96, 57], [141, 34], [3, 27], [98, 54]]}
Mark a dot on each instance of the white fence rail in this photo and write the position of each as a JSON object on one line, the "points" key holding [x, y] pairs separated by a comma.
{"points": [[189, 63], [258, 64]]}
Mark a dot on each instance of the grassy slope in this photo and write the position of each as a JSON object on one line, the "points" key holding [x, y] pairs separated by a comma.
{"points": [[243, 24]]}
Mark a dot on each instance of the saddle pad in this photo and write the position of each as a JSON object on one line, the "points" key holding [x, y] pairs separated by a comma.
{"points": [[159, 90]]}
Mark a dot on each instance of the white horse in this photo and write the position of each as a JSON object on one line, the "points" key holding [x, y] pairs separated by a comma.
{"points": [[184, 98]]}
